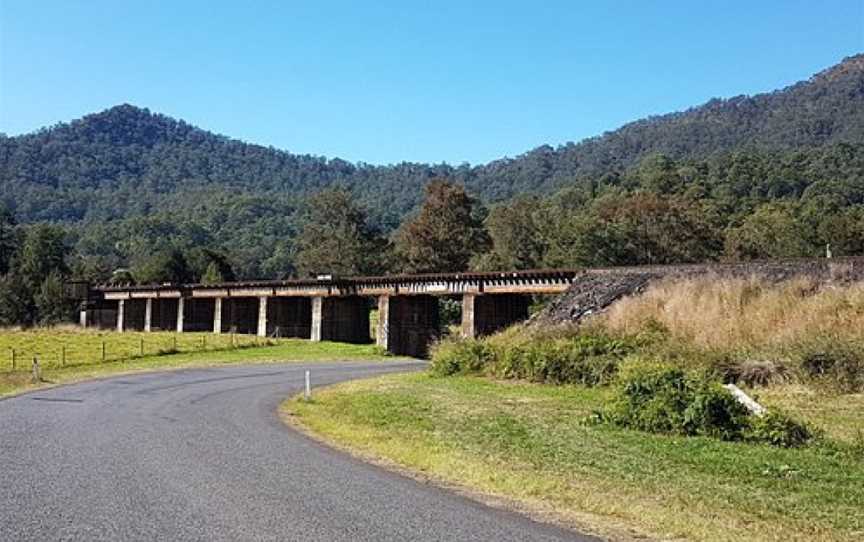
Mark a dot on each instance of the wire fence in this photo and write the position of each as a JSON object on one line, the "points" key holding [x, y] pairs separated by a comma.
{"points": [[55, 350]]}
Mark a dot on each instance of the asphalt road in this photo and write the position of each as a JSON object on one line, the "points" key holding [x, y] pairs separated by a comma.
{"points": [[202, 455]]}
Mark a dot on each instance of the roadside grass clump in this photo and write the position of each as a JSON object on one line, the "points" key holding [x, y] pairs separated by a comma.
{"points": [[659, 398], [835, 365], [518, 354], [758, 373]]}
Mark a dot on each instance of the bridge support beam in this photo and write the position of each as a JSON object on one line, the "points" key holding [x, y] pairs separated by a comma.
{"points": [[487, 313], [148, 314], [181, 315], [217, 315], [342, 319], [262, 316], [407, 324], [121, 315]]}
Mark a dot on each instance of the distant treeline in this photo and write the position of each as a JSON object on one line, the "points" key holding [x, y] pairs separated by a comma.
{"points": [[739, 206], [131, 196]]}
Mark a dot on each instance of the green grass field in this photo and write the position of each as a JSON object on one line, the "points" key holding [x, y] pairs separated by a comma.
{"points": [[70, 354], [527, 443]]}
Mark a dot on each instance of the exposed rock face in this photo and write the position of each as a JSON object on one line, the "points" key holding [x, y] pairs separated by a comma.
{"points": [[594, 290]]}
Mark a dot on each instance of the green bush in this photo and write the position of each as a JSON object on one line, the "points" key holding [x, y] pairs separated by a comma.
{"points": [[659, 398], [455, 355], [778, 429], [588, 360]]}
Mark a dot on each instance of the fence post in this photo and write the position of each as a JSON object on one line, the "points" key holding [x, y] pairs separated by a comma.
{"points": [[36, 376], [13, 358], [141, 347], [63, 355], [204, 342], [103, 350], [175, 342]]}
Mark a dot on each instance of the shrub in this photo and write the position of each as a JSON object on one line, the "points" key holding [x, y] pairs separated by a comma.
{"points": [[659, 398], [456, 355], [778, 429], [581, 359], [586, 359], [714, 412]]}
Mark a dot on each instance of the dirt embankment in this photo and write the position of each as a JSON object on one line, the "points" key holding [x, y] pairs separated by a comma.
{"points": [[594, 290]]}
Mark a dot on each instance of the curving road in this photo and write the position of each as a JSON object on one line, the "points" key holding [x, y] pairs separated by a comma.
{"points": [[202, 455]]}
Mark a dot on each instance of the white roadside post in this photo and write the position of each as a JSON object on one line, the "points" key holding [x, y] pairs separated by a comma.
{"points": [[307, 395]]}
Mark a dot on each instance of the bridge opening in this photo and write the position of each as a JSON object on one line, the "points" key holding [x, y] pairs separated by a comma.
{"points": [[198, 314], [101, 315], [239, 315], [341, 319], [134, 313], [487, 313], [289, 317], [408, 324], [163, 315]]}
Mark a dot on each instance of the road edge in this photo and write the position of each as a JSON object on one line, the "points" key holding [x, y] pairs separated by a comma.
{"points": [[579, 523]]}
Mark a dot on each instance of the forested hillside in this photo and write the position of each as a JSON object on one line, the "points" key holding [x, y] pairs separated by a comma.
{"points": [[136, 196], [127, 161]]}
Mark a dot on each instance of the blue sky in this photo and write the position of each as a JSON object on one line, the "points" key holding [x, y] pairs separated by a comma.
{"points": [[383, 81]]}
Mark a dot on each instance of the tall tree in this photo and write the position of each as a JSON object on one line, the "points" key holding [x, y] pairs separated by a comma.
{"points": [[772, 231], [8, 239], [14, 305], [44, 250], [165, 266], [335, 237], [53, 304], [516, 230], [445, 235]]}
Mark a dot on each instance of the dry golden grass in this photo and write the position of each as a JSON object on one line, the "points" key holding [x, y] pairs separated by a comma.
{"points": [[716, 313]]}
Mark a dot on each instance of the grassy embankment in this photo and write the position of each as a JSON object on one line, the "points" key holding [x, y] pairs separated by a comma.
{"points": [[123, 353], [798, 348]]}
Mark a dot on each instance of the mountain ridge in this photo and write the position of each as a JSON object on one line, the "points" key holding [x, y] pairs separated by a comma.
{"points": [[127, 150]]}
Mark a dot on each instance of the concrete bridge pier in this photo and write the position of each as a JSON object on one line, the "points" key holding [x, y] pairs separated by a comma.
{"points": [[342, 319], [484, 314], [262, 316], [181, 307], [217, 315], [148, 314], [121, 314], [407, 324]]}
